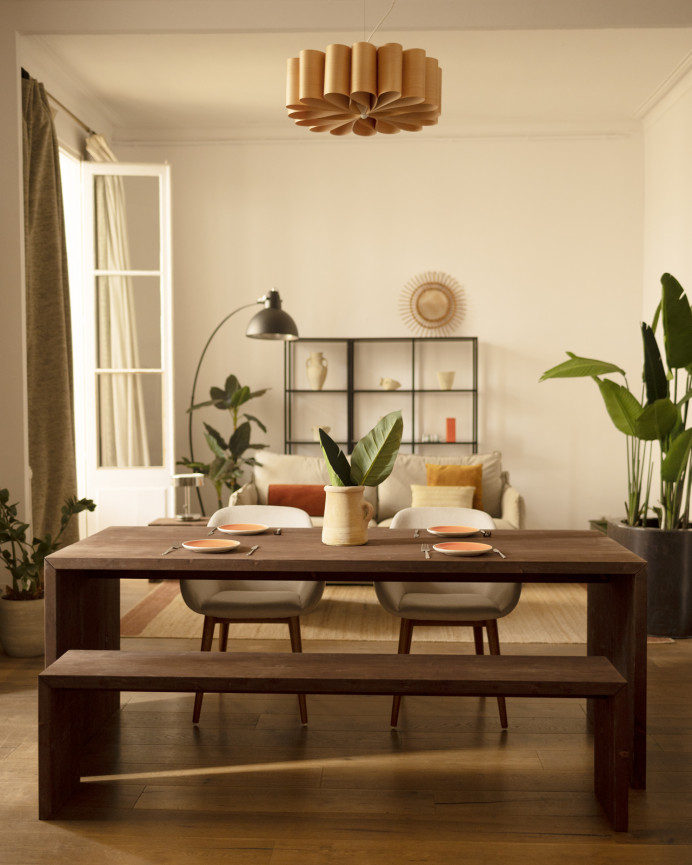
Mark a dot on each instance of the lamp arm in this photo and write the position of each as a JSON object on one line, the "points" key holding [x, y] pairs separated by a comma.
{"points": [[204, 351]]}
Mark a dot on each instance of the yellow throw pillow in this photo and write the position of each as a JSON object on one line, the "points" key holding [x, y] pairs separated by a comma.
{"points": [[457, 476], [441, 497]]}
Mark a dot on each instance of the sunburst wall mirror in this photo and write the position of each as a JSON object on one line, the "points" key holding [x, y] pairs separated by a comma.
{"points": [[432, 304]]}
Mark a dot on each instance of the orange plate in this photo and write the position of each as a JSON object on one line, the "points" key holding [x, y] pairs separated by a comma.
{"points": [[462, 548], [211, 545], [243, 528], [453, 531]]}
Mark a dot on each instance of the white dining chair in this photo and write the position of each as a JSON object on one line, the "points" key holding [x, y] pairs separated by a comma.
{"points": [[474, 605], [227, 602]]}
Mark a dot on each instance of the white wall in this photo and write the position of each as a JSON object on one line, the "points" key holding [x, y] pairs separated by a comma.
{"points": [[545, 237], [668, 193]]}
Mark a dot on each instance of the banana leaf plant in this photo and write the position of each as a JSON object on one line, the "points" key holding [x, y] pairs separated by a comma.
{"points": [[659, 415], [372, 459], [229, 455]]}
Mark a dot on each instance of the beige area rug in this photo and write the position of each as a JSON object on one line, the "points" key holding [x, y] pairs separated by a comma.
{"points": [[554, 613]]}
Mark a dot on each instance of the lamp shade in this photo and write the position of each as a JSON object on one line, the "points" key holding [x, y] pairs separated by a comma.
{"points": [[272, 322]]}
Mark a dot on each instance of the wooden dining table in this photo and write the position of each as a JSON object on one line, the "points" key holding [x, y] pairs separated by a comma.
{"points": [[83, 584]]}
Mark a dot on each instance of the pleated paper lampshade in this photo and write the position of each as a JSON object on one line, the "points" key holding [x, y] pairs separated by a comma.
{"points": [[364, 89]]}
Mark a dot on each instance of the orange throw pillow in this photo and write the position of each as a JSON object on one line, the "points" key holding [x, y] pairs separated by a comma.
{"points": [[457, 476], [308, 497]]}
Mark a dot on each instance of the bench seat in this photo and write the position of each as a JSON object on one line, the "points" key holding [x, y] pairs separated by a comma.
{"points": [[62, 684]]}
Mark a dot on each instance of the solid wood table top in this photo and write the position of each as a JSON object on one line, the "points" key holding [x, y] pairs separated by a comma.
{"points": [[136, 551]]}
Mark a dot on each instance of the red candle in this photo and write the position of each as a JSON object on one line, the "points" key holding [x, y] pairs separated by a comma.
{"points": [[451, 429]]}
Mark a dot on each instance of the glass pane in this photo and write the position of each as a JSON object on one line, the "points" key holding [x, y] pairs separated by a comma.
{"points": [[126, 223], [128, 322], [130, 419]]}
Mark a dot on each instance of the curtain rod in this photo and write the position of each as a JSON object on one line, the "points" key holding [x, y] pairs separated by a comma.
{"points": [[67, 111]]}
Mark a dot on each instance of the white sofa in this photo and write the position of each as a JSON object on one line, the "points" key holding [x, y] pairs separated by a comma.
{"points": [[500, 499]]}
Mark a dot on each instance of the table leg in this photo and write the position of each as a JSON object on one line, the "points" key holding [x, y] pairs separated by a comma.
{"points": [[617, 629], [83, 612]]}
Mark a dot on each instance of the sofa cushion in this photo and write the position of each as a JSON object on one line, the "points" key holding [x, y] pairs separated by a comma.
{"points": [[246, 495], [307, 497], [451, 475], [287, 469], [443, 496], [394, 493]]}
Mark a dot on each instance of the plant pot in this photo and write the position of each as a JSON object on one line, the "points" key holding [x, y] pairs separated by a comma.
{"points": [[346, 517], [21, 628], [669, 575]]}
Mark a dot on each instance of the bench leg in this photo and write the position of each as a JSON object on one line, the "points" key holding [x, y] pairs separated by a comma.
{"points": [[612, 757], [58, 748]]}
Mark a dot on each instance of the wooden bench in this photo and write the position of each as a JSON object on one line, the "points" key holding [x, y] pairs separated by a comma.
{"points": [[63, 683]]}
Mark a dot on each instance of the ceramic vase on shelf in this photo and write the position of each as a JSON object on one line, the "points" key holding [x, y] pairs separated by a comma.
{"points": [[316, 366], [346, 517]]}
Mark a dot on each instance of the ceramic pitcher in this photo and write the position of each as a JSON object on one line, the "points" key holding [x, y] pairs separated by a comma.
{"points": [[346, 517], [316, 366]]}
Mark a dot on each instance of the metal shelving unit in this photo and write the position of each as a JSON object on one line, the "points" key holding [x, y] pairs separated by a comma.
{"points": [[465, 399]]}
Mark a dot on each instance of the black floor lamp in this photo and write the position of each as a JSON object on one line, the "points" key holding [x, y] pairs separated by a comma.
{"points": [[269, 323]]}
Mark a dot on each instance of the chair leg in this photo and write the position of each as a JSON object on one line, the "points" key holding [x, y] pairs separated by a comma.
{"points": [[478, 638], [297, 646], [207, 639], [405, 636], [223, 636], [494, 646]]}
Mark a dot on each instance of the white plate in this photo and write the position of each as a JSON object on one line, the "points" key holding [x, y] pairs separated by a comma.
{"points": [[211, 545], [462, 548], [242, 528], [453, 531]]}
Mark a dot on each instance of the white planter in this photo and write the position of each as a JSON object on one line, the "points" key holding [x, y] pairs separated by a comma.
{"points": [[346, 517], [21, 628]]}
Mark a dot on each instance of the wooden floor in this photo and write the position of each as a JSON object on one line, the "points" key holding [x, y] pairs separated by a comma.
{"points": [[250, 786]]}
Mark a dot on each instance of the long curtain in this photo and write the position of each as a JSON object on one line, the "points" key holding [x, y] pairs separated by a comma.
{"points": [[49, 339], [122, 423]]}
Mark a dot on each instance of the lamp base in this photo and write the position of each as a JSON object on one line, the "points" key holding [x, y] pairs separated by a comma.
{"points": [[188, 518]]}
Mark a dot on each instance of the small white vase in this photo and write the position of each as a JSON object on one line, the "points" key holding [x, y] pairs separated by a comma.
{"points": [[346, 517], [21, 628], [316, 366]]}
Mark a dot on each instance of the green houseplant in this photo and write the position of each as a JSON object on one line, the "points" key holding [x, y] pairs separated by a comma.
{"points": [[21, 624], [229, 459], [660, 415], [346, 513]]}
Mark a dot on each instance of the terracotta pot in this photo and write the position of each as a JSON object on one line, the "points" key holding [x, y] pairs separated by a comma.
{"points": [[21, 628], [669, 575], [346, 517]]}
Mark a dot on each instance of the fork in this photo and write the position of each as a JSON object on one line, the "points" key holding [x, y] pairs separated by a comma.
{"points": [[209, 534], [425, 548], [499, 552], [171, 548]]}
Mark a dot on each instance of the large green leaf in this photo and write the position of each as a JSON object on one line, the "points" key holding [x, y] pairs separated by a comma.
{"points": [[676, 459], [621, 405], [373, 457], [577, 367], [337, 464], [657, 420], [240, 440], [240, 396], [677, 323], [654, 372]]}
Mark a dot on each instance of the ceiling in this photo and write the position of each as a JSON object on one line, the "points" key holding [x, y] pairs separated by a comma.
{"points": [[530, 68]]}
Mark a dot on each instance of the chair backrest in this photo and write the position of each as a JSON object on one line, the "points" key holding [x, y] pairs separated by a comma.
{"points": [[268, 515], [423, 518]]}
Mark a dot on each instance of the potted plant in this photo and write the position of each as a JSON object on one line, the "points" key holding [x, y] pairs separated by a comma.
{"points": [[659, 415], [21, 623], [346, 513], [229, 460]]}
